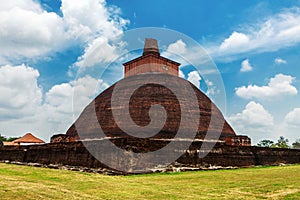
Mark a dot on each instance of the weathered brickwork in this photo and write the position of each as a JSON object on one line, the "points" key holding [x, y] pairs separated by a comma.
{"points": [[150, 62], [75, 154], [139, 106]]}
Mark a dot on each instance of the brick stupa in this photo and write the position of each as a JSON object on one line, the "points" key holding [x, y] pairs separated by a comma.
{"points": [[151, 62]]}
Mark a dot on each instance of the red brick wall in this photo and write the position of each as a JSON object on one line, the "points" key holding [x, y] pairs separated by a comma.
{"points": [[150, 63], [75, 154], [238, 140]]}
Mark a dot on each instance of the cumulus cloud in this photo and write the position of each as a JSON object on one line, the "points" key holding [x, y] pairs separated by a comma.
{"points": [[23, 106], [178, 47], [280, 85], [65, 101], [293, 118], [77, 93], [20, 92], [20, 100], [276, 32], [97, 52], [87, 18], [279, 61], [235, 42], [27, 5], [246, 67], [101, 25], [254, 115], [254, 121], [177, 51], [28, 31], [194, 78]]}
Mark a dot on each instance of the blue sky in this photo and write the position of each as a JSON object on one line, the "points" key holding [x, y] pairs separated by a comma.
{"points": [[49, 48]]}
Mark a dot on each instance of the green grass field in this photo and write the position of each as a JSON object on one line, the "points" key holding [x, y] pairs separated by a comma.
{"points": [[23, 182]]}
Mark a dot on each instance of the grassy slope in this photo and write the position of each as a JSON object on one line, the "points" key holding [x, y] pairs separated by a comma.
{"points": [[22, 182]]}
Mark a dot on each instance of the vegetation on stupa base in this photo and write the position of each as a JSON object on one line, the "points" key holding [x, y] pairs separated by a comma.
{"points": [[24, 182], [282, 142]]}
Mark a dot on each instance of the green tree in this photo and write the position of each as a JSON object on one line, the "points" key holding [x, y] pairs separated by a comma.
{"points": [[10, 139], [5, 139], [296, 144], [265, 143], [2, 138], [281, 143]]}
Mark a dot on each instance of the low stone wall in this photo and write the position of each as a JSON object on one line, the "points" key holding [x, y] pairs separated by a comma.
{"points": [[75, 154]]}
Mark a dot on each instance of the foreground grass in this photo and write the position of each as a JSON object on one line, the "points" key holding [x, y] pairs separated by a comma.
{"points": [[23, 182]]}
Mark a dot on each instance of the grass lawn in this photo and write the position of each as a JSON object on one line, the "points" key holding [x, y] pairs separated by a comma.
{"points": [[23, 182]]}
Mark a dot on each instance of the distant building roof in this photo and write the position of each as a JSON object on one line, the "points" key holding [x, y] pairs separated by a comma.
{"points": [[28, 138]]}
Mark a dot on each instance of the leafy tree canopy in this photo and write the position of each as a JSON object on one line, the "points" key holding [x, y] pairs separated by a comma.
{"points": [[296, 144], [281, 143], [5, 139], [265, 143]]}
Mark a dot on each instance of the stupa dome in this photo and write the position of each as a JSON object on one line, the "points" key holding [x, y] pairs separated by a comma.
{"points": [[139, 106], [98, 116]]}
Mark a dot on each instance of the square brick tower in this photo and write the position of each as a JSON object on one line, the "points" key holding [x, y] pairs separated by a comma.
{"points": [[150, 62]]}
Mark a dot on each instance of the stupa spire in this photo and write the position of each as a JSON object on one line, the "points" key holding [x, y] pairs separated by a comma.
{"points": [[151, 46]]}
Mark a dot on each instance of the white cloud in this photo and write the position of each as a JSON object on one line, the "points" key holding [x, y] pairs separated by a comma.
{"points": [[276, 32], [280, 85], [26, 5], [87, 18], [178, 47], [99, 27], [211, 89], [27, 31], [177, 51], [20, 101], [254, 115], [65, 101], [23, 109], [279, 61], [246, 66], [194, 78], [97, 52], [234, 42], [20, 92], [181, 74], [254, 121], [187, 54], [293, 118]]}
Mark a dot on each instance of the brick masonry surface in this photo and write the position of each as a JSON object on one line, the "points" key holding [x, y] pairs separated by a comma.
{"points": [[75, 154]]}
